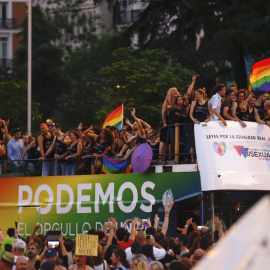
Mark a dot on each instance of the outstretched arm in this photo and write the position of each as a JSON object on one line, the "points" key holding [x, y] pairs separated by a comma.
{"points": [[140, 128]]}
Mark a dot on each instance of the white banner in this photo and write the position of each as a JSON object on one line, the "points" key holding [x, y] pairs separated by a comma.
{"points": [[233, 157]]}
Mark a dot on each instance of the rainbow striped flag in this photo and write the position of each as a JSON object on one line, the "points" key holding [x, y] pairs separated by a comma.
{"points": [[260, 76], [115, 118], [112, 165]]}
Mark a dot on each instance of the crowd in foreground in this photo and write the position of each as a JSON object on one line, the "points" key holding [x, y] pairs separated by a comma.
{"points": [[80, 151], [145, 247]]}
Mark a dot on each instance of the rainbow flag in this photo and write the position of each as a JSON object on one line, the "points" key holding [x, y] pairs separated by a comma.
{"points": [[112, 165], [115, 118], [260, 76]]}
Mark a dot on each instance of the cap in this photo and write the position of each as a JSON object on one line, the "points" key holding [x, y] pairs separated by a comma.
{"points": [[50, 253]]}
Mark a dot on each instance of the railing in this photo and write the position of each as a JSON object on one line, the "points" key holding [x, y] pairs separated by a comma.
{"points": [[7, 23], [5, 63], [32, 167]]}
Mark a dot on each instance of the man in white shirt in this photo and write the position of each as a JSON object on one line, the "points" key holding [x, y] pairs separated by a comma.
{"points": [[219, 91]]}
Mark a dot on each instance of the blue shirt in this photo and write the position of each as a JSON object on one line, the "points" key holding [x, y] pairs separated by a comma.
{"points": [[15, 149]]}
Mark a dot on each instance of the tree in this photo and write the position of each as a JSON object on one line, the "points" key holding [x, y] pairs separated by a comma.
{"points": [[14, 104], [141, 80], [47, 77], [213, 37]]}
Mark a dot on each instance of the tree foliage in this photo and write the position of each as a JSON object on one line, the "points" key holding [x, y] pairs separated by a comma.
{"points": [[141, 80], [47, 77], [212, 37], [14, 104]]}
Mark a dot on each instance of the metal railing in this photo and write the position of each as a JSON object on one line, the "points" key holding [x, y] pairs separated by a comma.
{"points": [[7, 23], [32, 167]]}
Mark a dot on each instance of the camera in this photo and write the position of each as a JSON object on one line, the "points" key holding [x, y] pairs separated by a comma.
{"points": [[52, 238]]}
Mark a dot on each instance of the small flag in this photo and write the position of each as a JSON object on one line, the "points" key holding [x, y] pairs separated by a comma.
{"points": [[115, 118], [260, 76], [112, 165]]}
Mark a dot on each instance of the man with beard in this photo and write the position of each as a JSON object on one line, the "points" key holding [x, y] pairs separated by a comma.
{"points": [[32, 252]]}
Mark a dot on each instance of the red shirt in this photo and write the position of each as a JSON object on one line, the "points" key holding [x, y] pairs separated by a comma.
{"points": [[124, 245]]}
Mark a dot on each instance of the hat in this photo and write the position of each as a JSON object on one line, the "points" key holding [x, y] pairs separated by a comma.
{"points": [[130, 138], [8, 258], [50, 253], [48, 265]]}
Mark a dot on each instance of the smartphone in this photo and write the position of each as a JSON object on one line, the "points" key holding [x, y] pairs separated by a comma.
{"points": [[52, 238]]}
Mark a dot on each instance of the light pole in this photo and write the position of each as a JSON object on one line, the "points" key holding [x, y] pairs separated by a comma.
{"points": [[29, 70]]}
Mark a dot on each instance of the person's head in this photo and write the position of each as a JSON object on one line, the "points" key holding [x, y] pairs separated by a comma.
{"points": [[175, 265], [32, 250], [109, 252], [47, 265], [164, 243], [140, 237], [107, 135], [220, 89], [179, 101], [7, 261], [147, 250], [101, 237], [135, 247], [21, 263], [115, 132], [172, 93], [150, 132], [252, 101], [187, 263], [132, 141], [50, 126], [230, 95], [69, 244], [121, 234], [204, 243], [56, 129], [150, 230], [50, 255], [198, 254], [119, 258], [240, 96], [192, 237], [199, 94], [261, 96], [44, 128], [17, 133], [73, 135], [233, 87], [79, 260], [18, 247], [25, 139], [156, 265], [159, 236], [140, 262]]}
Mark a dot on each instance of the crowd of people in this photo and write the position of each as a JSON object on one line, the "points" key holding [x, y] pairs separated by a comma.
{"points": [[137, 244], [80, 151]]}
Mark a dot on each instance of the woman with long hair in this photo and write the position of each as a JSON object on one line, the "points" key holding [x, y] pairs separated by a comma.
{"points": [[74, 150], [169, 101], [99, 148]]}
